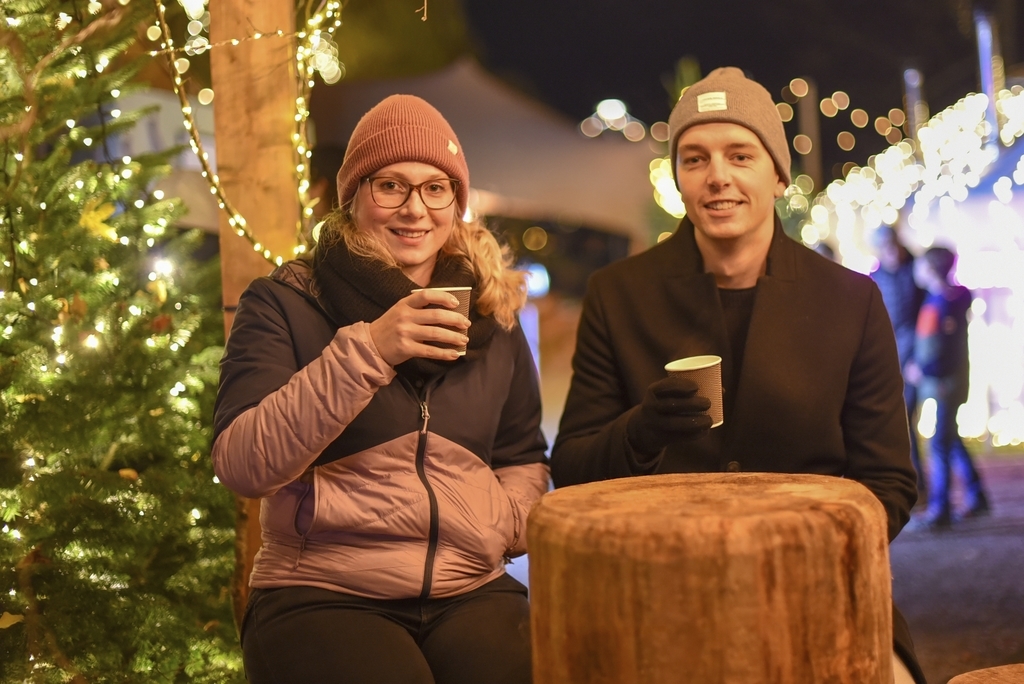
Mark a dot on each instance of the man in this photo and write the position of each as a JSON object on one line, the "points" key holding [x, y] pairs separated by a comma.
{"points": [[810, 373], [903, 298]]}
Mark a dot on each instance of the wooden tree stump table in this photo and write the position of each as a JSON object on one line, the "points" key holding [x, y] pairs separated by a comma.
{"points": [[708, 578], [1007, 674]]}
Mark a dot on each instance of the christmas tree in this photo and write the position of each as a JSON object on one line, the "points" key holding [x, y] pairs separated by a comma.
{"points": [[116, 542]]}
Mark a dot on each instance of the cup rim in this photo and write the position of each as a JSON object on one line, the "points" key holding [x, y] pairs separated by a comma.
{"points": [[690, 363], [444, 289]]}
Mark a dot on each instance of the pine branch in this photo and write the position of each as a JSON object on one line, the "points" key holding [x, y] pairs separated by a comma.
{"points": [[13, 42], [33, 617]]}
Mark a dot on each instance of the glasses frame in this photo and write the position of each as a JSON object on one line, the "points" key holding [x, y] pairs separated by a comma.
{"points": [[410, 187]]}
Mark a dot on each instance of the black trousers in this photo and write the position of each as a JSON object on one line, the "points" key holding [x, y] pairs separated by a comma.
{"points": [[312, 635]]}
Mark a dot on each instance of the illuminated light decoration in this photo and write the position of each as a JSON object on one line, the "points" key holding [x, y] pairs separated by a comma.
{"points": [[592, 126], [859, 118], [897, 117], [925, 187], [535, 238], [828, 107], [660, 131], [785, 111], [802, 144], [666, 194], [634, 131], [841, 99], [846, 141], [799, 87], [316, 53], [612, 115]]}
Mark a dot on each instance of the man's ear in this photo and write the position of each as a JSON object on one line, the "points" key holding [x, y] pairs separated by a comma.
{"points": [[780, 187]]}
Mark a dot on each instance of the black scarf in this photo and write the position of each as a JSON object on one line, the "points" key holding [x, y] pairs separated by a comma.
{"points": [[354, 288]]}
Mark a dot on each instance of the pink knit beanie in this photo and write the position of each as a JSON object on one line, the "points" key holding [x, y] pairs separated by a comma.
{"points": [[402, 128], [727, 96]]}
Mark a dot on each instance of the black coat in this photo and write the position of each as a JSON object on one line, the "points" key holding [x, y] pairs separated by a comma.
{"points": [[820, 390]]}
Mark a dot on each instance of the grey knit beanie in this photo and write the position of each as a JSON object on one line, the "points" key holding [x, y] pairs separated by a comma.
{"points": [[402, 128], [727, 96]]}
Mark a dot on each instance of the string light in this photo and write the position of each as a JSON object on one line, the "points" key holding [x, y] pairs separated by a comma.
{"points": [[316, 53]]}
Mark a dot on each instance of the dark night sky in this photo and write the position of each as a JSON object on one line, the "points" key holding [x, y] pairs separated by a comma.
{"points": [[571, 54]]}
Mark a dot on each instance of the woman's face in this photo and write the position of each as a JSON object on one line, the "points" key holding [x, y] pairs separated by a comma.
{"points": [[413, 233]]}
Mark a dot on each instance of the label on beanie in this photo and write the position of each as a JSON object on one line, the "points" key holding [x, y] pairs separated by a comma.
{"points": [[711, 102]]}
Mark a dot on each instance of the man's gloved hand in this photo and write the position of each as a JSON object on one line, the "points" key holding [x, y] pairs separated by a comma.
{"points": [[671, 411]]}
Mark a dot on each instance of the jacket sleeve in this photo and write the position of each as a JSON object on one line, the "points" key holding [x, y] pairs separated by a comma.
{"points": [[591, 443], [518, 456], [874, 420], [282, 417]]}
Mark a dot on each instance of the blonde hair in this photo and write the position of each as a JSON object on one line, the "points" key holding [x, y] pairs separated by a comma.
{"points": [[501, 289]]}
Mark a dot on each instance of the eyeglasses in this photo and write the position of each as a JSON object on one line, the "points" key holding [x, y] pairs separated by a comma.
{"points": [[391, 193]]}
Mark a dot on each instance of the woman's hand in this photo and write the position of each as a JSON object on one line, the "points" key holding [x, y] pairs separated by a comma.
{"points": [[408, 329]]}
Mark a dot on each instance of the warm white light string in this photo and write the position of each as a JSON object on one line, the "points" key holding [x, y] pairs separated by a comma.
{"points": [[315, 53]]}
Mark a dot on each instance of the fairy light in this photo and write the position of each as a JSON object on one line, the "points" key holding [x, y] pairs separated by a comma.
{"points": [[316, 53]]}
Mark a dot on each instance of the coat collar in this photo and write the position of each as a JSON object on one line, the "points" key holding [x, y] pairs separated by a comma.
{"points": [[686, 261]]}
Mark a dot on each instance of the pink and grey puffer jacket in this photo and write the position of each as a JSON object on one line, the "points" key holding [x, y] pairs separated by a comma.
{"points": [[371, 484]]}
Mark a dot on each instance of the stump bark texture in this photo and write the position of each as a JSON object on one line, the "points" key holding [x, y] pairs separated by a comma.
{"points": [[1007, 674], [731, 578]]}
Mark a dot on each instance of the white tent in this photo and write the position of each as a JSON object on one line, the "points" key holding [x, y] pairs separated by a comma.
{"points": [[525, 160]]}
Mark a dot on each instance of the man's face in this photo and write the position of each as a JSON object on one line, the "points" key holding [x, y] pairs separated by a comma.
{"points": [[728, 181]]}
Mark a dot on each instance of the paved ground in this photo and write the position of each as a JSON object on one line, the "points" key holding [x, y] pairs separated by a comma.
{"points": [[962, 591]]}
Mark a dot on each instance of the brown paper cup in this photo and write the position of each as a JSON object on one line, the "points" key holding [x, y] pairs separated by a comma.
{"points": [[706, 371], [463, 308]]}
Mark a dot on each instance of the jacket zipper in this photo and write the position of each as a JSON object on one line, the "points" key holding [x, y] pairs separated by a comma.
{"points": [[421, 448]]}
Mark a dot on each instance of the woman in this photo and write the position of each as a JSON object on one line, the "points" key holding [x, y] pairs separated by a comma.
{"points": [[396, 476]]}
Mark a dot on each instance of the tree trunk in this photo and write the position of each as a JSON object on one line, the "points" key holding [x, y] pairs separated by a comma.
{"points": [[255, 88], [738, 578]]}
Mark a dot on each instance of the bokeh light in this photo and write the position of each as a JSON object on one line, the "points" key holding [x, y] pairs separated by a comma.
{"points": [[846, 141], [859, 118], [660, 131], [802, 144], [535, 238], [785, 111]]}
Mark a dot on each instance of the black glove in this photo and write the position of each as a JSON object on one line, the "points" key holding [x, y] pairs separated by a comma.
{"points": [[671, 411]]}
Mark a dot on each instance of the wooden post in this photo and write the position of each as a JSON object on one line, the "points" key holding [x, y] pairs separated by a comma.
{"points": [[255, 87], [713, 578]]}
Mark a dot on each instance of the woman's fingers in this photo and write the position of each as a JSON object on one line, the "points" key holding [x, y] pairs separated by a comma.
{"points": [[423, 298], [452, 319], [404, 332]]}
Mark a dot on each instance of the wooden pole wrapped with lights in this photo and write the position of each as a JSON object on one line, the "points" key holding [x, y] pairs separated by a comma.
{"points": [[255, 84], [264, 98]]}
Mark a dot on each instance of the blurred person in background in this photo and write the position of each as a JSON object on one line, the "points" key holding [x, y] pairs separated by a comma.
{"points": [[940, 368], [903, 297]]}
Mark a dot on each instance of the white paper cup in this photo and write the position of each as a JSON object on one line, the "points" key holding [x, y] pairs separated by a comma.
{"points": [[706, 371], [462, 293]]}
